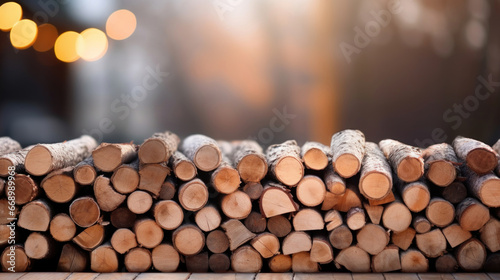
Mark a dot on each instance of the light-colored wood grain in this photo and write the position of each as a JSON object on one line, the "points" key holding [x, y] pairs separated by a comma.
{"points": [[471, 276], [494, 276], [44, 276], [163, 276], [116, 276], [274, 276], [82, 276], [12, 276], [322, 276], [367, 276], [435, 276], [401, 276], [222, 276]]}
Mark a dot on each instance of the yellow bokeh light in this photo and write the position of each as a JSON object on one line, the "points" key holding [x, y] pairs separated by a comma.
{"points": [[65, 46], [121, 24], [23, 34], [47, 35], [10, 13], [92, 44]]}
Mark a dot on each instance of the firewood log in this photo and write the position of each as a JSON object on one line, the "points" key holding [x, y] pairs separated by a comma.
{"points": [[374, 212], [15, 159], [193, 195], [432, 244], [39, 246], [440, 212], [471, 214], [84, 172], [183, 168], [321, 250], [208, 218], [348, 150], [139, 202], [279, 226], [285, 163], [122, 217], [197, 263], [440, 164], [456, 235], [8, 145], [219, 263], [103, 259], [125, 178], [295, 242], [152, 176], [455, 192], [415, 195], [446, 264], [168, 214], [421, 224], [267, 244], [107, 198], [35, 216], [62, 228], [406, 161], [188, 240], [246, 260], [217, 242], [315, 155], [148, 233], [354, 259], [158, 148], [236, 205], [355, 218], [343, 202], [165, 258], [108, 156], [138, 260], [203, 151], [333, 219], [255, 222], [123, 240], [302, 263], [72, 259], [334, 183], [387, 260], [485, 187], [84, 211], [404, 238], [413, 261], [308, 219], [372, 239], [276, 200], [225, 178], [490, 235], [397, 217], [376, 176], [59, 185], [250, 161], [27, 189], [168, 189], [254, 190], [237, 233], [310, 191], [341, 237], [471, 255], [478, 156], [90, 237], [21, 261], [280, 263]]}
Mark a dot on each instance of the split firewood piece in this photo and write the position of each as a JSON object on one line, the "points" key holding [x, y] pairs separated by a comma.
{"points": [[388, 199], [348, 150], [492, 263], [333, 219], [255, 222], [279, 226], [148, 233], [446, 264], [72, 259], [125, 178], [183, 168], [354, 259], [302, 263], [343, 202], [415, 195], [217, 241], [122, 240], [15, 159], [295, 242], [39, 246], [341, 237], [219, 263], [455, 192], [84, 211], [355, 218], [168, 214], [311, 191], [107, 198], [490, 235], [59, 185], [22, 262], [403, 239], [321, 250], [246, 260], [376, 175], [406, 161], [308, 219], [397, 217], [440, 212], [267, 244], [250, 161], [122, 217], [413, 261], [139, 202], [387, 260], [8, 145], [456, 235], [237, 233], [43, 158], [168, 189], [90, 237], [193, 195], [485, 187], [471, 214], [208, 218], [280, 263], [441, 164], [165, 258], [285, 163], [203, 151], [315, 155], [7, 211], [108, 156], [334, 183], [138, 260], [478, 156], [254, 190], [374, 212], [471, 255], [62, 228], [197, 263], [236, 205], [26, 189], [159, 147], [372, 238], [84, 172], [225, 179], [188, 239], [432, 244], [103, 259], [421, 224], [35, 216], [276, 200], [152, 176]]}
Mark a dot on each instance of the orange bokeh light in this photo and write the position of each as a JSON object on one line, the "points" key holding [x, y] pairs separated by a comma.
{"points": [[121, 24], [92, 44], [10, 13], [47, 36], [23, 34], [65, 46]]}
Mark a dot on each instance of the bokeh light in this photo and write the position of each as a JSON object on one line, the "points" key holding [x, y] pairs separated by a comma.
{"points": [[65, 46], [10, 13], [92, 44], [121, 24], [23, 34], [47, 36]]}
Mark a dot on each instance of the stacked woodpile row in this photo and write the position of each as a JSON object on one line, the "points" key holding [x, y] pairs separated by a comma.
{"points": [[203, 205]]}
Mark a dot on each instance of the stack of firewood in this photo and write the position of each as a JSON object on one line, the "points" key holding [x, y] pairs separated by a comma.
{"points": [[202, 205]]}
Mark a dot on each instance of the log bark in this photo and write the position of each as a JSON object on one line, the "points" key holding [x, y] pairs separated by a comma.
{"points": [[188, 240], [168, 214], [413, 261], [237, 233], [90, 237], [138, 260], [348, 150], [165, 258], [415, 195], [108, 156], [250, 161], [349, 199], [168, 189], [285, 163], [471, 255], [421, 224], [446, 264], [148, 233], [122, 240], [406, 161], [236, 205], [139, 202], [310, 191], [315, 155], [219, 263], [84, 172], [341, 237], [39, 246], [403, 239], [485, 187], [72, 259], [276, 200], [152, 176], [440, 212], [104, 259], [125, 178], [197, 263], [279, 226], [334, 183], [22, 261], [35, 216], [59, 185], [193, 195], [62, 228], [471, 214], [246, 260], [8, 145], [107, 198], [159, 147], [478, 156], [397, 217], [255, 222], [387, 260], [490, 235], [354, 259], [267, 244], [208, 218], [280, 263], [432, 244], [333, 219], [302, 263], [254, 190], [455, 192], [372, 239], [374, 212], [441, 164], [84, 211], [122, 217], [26, 189], [43, 158], [15, 159], [217, 242], [376, 175], [295, 242], [355, 218], [183, 168], [456, 235], [308, 219], [225, 179], [203, 151]]}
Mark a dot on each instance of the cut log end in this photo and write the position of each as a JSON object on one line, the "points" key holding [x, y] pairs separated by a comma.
{"points": [[188, 240], [153, 151], [280, 263], [185, 170], [252, 168], [442, 173], [471, 255], [226, 179], [246, 260], [289, 170], [481, 160], [354, 259], [410, 169], [104, 259], [85, 175], [193, 195], [311, 191], [347, 165], [315, 159], [165, 258], [38, 161], [375, 185], [207, 158]]}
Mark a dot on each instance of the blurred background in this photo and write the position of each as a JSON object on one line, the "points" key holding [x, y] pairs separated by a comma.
{"points": [[418, 71]]}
